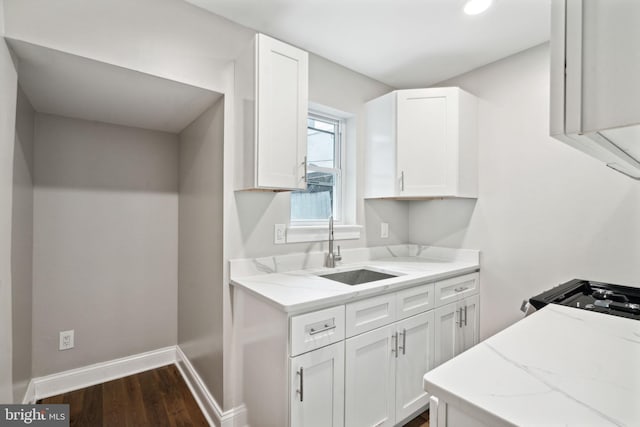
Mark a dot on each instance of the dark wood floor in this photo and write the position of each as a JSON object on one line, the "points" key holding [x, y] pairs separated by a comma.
{"points": [[159, 397], [421, 420]]}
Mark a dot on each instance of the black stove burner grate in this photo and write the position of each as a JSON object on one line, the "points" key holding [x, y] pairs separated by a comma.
{"points": [[617, 300]]}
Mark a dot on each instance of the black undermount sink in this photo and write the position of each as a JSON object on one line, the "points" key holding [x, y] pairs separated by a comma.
{"points": [[357, 277]]}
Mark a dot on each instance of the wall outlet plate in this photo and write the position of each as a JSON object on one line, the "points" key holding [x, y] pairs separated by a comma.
{"points": [[280, 234], [66, 340], [384, 230]]}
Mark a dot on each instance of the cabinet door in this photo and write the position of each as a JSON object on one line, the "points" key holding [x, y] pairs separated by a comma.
{"points": [[427, 148], [415, 358], [468, 333], [370, 362], [316, 388], [446, 325], [282, 96]]}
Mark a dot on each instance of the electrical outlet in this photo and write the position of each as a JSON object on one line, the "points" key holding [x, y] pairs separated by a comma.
{"points": [[66, 340], [280, 234], [384, 230]]}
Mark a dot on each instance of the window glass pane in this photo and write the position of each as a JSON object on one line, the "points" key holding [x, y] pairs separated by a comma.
{"points": [[321, 139], [316, 202]]}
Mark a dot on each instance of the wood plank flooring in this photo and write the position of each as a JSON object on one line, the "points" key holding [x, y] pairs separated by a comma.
{"points": [[159, 397], [421, 420]]}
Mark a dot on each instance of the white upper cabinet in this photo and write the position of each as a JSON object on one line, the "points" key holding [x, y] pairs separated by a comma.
{"points": [[422, 143], [271, 103], [595, 80]]}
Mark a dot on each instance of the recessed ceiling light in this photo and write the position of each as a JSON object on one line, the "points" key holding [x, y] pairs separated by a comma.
{"points": [[474, 7]]}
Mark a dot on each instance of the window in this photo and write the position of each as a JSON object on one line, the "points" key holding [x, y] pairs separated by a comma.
{"points": [[323, 196]]}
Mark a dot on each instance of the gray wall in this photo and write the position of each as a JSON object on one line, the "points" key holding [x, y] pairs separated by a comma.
{"points": [[105, 241], [255, 213], [546, 213], [200, 258], [8, 89], [22, 246]]}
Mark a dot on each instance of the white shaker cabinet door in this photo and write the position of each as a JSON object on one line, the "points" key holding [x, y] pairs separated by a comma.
{"points": [[316, 388], [446, 325], [282, 98], [468, 333], [370, 362], [415, 358], [427, 142]]}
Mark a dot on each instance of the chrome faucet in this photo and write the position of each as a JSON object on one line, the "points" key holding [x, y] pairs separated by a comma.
{"points": [[331, 259]]}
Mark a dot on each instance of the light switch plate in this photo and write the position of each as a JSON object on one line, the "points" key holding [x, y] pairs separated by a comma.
{"points": [[384, 230], [280, 234]]}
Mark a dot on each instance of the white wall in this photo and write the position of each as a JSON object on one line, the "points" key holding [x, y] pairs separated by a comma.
{"points": [[200, 265], [105, 241], [546, 213], [22, 247], [168, 38]]}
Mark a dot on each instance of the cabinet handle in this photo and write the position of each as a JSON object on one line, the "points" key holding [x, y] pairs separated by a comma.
{"points": [[404, 341], [327, 327], [402, 181], [304, 163], [459, 322], [301, 390], [465, 315], [394, 337], [461, 288]]}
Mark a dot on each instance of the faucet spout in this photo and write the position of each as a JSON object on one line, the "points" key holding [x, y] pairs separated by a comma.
{"points": [[332, 257]]}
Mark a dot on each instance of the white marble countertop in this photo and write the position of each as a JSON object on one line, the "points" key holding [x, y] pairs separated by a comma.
{"points": [[276, 279], [560, 366]]}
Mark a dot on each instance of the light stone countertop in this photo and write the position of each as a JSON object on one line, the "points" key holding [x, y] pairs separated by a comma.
{"points": [[560, 366], [291, 282]]}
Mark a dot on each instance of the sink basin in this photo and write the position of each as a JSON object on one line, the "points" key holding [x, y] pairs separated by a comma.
{"points": [[357, 277]]}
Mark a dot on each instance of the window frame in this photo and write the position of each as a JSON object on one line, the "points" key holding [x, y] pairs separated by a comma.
{"points": [[339, 155]]}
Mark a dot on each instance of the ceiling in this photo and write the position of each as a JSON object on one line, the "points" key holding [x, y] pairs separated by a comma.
{"points": [[73, 86], [403, 43]]}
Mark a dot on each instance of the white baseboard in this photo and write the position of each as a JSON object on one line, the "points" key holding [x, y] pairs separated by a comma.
{"points": [[75, 379], [235, 417], [29, 394]]}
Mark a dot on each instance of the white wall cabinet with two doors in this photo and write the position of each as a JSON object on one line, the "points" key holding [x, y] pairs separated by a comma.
{"points": [[271, 87], [358, 364], [422, 143]]}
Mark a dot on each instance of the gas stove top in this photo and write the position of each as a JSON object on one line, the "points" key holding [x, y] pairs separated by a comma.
{"points": [[623, 301]]}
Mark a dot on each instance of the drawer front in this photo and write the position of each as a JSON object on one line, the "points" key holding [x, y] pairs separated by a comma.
{"points": [[415, 300], [371, 313], [317, 329], [456, 288]]}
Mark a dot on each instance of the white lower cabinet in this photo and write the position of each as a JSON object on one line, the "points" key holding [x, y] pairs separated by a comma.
{"points": [[456, 328], [317, 388], [384, 370]]}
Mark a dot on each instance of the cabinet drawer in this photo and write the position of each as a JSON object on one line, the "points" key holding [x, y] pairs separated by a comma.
{"points": [[456, 288], [414, 300], [371, 313], [317, 329]]}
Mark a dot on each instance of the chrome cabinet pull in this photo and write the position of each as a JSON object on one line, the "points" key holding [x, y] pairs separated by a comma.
{"points": [[301, 390], [327, 327], [404, 341], [402, 181], [304, 163], [461, 288], [465, 315], [394, 337], [460, 317]]}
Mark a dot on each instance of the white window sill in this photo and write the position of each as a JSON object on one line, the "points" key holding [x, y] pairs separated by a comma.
{"points": [[319, 233]]}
